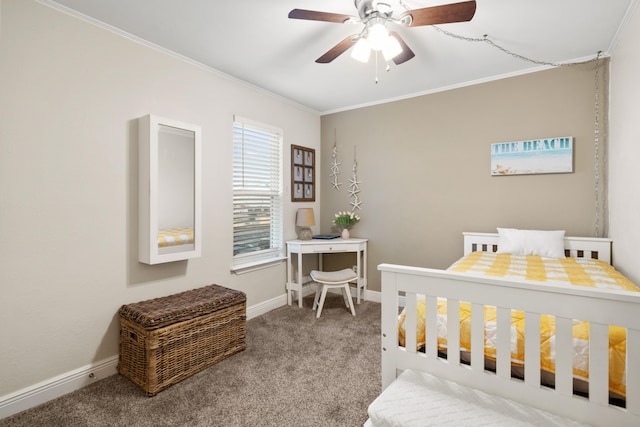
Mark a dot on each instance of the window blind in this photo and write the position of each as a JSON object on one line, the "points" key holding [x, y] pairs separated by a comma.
{"points": [[257, 192]]}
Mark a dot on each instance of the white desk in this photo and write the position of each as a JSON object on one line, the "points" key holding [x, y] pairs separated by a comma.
{"points": [[320, 246]]}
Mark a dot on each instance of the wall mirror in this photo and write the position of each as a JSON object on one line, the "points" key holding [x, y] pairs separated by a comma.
{"points": [[169, 225]]}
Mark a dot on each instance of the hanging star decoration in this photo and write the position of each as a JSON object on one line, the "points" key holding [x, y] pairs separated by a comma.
{"points": [[354, 185], [335, 169]]}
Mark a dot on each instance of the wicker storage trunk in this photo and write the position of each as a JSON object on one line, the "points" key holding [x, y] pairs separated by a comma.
{"points": [[168, 339]]}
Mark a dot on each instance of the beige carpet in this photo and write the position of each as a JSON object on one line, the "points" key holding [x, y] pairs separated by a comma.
{"points": [[296, 371]]}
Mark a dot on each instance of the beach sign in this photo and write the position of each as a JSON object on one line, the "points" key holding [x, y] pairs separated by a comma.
{"points": [[537, 156]]}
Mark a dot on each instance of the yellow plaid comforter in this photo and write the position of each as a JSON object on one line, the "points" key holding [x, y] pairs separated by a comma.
{"points": [[579, 272]]}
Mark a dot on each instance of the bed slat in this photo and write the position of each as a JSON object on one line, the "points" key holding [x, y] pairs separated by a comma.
{"points": [[599, 363], [564, 356], [477, 337], [410, 322], [453, 331], [503, 344], [431, 327], [532, 349]]}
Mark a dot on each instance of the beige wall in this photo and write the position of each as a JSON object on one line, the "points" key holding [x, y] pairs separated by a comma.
{"points": [[424, 164], [625, 150], [70, 94]]}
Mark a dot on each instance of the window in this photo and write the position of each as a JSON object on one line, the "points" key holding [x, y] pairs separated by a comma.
{"points": [[257, 192]]}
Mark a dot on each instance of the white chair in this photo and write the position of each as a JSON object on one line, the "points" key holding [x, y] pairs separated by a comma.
{"points": [[330, 280]]}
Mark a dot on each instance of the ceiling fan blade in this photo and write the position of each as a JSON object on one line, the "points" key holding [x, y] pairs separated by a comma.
{"points": [[444, 14], [337, 50], [313, 15], [406, 53]]}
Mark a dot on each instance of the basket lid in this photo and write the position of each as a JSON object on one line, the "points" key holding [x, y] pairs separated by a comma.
{"points": [[159, 312]]}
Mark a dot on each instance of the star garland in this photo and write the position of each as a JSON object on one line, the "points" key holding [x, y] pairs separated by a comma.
{"points": [[354, 184], [335, 168]]}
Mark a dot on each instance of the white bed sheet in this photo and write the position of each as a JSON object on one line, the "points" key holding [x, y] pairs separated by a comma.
{"points": [[418, 399]]}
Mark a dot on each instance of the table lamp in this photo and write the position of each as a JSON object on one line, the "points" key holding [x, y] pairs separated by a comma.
{"points": [[304, 219]]}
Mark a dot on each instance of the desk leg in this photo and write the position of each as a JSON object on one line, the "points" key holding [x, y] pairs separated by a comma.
{"points": [[289, 276], [364, 273], [359, 279]]}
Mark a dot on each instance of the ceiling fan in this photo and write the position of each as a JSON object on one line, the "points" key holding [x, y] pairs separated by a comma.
{"points": [[375, 15]]}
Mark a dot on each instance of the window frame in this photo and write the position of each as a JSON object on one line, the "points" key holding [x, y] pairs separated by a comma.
{"points": [[254, 259]]}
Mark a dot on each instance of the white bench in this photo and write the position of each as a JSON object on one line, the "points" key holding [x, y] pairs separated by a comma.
{"points": [[418, 399]]}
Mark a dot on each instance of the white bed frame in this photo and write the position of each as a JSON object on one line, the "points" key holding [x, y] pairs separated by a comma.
{"points": [[600, 308]]}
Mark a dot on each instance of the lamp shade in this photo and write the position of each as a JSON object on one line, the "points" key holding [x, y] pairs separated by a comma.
{"points": [[305, 218], [377, 36], [361, 50], [391, 48]]}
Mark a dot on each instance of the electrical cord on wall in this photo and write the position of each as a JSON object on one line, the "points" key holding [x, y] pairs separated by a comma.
{"points": [[596, 137]]}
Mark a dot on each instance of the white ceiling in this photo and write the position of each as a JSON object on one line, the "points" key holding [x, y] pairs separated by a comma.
{"points": [[254, 41]]}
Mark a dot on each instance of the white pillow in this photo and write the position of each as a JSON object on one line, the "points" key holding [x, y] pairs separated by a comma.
{"points": [[548, 244]]}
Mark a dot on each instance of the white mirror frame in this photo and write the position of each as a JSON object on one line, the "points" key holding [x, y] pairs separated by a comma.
{"points": [[149, 216]]}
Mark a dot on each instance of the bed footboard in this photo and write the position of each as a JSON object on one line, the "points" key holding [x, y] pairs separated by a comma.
{"points": [[402, 284]]}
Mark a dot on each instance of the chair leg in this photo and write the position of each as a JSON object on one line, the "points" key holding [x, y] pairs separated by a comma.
{"points": [[348, 292], [344, 297], [324, 295], [317, 296]]}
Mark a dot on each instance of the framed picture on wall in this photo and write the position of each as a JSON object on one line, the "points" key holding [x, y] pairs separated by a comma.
{"points": [[303, 174], [536, 156]]}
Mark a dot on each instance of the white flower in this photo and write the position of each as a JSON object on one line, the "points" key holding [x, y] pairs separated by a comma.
{"points": [[345, 219]]}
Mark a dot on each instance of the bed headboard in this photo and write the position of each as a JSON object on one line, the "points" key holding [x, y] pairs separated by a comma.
{"points": [[576, 247]]}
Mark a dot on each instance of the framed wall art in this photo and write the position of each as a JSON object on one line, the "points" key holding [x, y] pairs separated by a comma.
{"points": [[538, 156], [303, 174]]}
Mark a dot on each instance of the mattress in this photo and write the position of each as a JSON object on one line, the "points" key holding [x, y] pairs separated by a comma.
{"points": [[573, 271], [418, 399]]}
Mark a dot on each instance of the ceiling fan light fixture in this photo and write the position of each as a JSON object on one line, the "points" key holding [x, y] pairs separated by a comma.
{"points": [[374, 15], [378, 36], [391, 48], [361, 50]]}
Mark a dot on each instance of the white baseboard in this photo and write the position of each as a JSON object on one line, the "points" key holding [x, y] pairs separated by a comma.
{"points": [[373, 296], [56, 387], [74, 380], [266, 306], [307, 289]]}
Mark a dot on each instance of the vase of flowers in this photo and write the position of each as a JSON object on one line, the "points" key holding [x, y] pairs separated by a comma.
{"points": [[344, 221]]}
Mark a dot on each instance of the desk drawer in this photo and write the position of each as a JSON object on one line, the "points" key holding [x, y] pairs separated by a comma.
{"points": [[335, 248]]}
